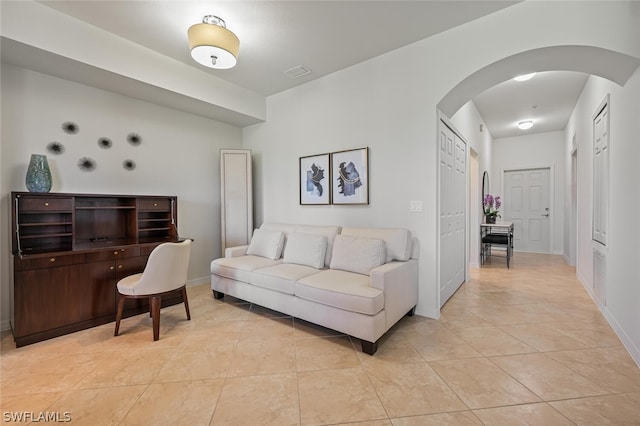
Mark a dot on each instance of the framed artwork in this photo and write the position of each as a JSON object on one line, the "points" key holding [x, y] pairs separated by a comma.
{"points": [[350, 176], [315, 187]]}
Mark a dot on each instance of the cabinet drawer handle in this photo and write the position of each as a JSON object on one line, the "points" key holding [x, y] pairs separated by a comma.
{"points": [[53, 259], [111, 268], [155, 204], [119, 266], [115, 252], [46, 204]]}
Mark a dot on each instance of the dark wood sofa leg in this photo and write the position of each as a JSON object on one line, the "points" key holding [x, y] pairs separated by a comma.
{"points": [[217, 294], [411, 312], [369, 348]]}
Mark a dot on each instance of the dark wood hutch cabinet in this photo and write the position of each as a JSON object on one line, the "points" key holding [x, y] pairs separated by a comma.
{"points": [[70, 250]]}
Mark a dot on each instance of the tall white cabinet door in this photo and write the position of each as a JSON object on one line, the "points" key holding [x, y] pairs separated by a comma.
{"points": [[453, 217], [527, 205], [236, 197]]}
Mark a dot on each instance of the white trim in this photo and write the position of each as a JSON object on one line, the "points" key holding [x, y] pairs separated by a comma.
{"points": [[627, 342]]}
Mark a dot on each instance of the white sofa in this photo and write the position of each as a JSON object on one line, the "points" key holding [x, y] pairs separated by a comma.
{"points": [[358, 281]]}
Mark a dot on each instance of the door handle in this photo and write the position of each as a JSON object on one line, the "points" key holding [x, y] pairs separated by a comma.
{"points": [[545, 215]]}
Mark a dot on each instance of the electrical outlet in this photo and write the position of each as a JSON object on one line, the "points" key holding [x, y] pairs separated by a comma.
{"points": [[415, 206]]}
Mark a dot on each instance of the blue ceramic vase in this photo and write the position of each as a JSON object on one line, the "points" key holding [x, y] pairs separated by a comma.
{"points": [[38, 174]]}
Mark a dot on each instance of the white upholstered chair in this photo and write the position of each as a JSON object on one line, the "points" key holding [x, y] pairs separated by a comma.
{"points": [[165, 273]]}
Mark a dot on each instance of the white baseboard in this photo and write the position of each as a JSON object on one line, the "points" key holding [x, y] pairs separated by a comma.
{"points": [[198, 281], [5, 325], [633, 350], [427, 313]]}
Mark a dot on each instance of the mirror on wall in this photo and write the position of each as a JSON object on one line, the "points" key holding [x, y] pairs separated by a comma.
{"points": [[485, 188]]}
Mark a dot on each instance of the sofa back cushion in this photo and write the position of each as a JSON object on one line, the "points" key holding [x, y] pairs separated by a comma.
{"points": [[398, 240], [328, 231], [357, 254], [266, 243], [305, 249]]}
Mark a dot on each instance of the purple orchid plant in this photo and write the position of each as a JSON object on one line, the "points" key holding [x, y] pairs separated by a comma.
{"points": [[491, 205]]}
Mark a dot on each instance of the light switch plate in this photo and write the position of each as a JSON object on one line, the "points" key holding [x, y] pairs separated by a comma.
{"points": [[415, 206]]}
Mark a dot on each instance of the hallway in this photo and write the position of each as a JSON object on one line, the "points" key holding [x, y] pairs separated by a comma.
{"points": [[518, 346]]}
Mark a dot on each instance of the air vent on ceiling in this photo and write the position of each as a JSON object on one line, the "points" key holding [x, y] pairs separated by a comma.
{"points": [[297, 71]]}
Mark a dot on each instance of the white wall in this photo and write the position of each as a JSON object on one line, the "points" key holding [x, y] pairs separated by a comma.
{"points": [[389, 103], [179, 155], [533, 151], [622, 253]]}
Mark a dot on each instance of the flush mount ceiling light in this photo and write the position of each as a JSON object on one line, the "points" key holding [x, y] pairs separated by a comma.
{"points": [[212, 44], [524, 125], [524, 77]]}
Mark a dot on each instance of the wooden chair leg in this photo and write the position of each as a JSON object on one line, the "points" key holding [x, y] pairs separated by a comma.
{"points": [[155, 314], [186, 302], [121, 300]]}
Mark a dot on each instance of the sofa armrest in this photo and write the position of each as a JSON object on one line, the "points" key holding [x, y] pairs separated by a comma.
{"points": [[235, 251], [399, 282]]}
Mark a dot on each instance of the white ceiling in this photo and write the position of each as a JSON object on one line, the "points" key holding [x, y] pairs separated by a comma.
{"points": [[326, 36], [548, 99]]}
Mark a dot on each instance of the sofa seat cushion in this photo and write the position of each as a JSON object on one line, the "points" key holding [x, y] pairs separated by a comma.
{"points": [[281, 277], [240, 268], [342, 290]]}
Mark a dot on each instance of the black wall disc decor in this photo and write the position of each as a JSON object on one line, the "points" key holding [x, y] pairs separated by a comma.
{"points": [[70, 127], [87, 164], [134, 139], [105, 143], [129, 165], [55, 148]]}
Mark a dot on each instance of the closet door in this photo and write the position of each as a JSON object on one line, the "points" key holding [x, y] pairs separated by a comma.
{"points": [[236, 197], [453, 216]]}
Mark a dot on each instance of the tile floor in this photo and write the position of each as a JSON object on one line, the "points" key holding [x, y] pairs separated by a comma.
{"points": [[513, 347]]}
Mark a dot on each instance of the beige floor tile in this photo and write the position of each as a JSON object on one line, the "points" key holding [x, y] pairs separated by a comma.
{"points": [[481, 384], [46, 373], [411, 389], [258, 400], [186, 403], [127, 367], [614, 410], [528, 414], [549, 379], [97, 407], [325, 353], [611, 367], [213, 362], [338, 396], [543, 337], [18, 404], [272, 328], [460, 418], [444, 346], [263, 356], [492, 341]]}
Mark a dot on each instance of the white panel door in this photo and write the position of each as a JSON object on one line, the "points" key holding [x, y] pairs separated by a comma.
{"points": [[601, 174], [453, 180], [527, 205]]}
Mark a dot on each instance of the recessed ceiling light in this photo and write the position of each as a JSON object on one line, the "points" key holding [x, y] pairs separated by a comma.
{"points": [[524, 77], [524, 125]]}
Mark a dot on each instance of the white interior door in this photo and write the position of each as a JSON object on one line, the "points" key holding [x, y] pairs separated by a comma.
{"points": [[453, 218], [527, 205]]}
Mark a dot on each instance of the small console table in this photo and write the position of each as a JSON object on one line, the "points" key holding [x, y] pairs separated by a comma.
{"points": [[496, 234]]}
